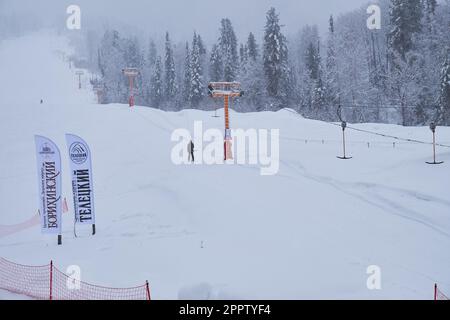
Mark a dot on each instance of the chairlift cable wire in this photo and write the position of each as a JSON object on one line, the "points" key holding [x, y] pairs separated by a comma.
{"points": [[379, 134]]}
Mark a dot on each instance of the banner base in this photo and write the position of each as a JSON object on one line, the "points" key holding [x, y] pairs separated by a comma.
{"points": [[59, 239]]}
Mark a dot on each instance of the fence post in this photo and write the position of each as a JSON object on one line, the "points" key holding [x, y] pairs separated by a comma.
{"points": [[51, 280], [147, 288]]}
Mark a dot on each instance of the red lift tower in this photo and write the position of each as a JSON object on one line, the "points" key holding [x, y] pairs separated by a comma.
{"points": [[226, 90], [131, 73]]}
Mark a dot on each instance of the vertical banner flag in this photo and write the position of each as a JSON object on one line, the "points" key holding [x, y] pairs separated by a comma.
{"points": [[82, 185], [49, 178]]}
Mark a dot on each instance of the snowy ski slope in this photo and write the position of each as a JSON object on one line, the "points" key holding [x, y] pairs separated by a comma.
{"points": [[218, 232]]}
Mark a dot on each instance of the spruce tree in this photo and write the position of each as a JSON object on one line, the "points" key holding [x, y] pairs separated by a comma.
{"points": [[312, 59], [111, 60], [152, 53], [275, 58], [216, 65], [148, 70], [252, 47], [405, 20], [187, 75], [444, 97], [332, 77], [252, 78], [169, 65], [157, 84], [228, 50], [201, 45], [197, 87]]}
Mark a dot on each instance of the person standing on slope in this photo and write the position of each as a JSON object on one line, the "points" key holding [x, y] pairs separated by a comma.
{"points": [[191, 151]]}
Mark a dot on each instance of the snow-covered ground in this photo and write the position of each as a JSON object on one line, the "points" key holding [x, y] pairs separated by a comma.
{"points": [[222, 231], [5, 295]]}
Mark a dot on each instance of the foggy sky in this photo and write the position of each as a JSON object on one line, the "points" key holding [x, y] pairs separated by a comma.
{"points": [[182, 17]]}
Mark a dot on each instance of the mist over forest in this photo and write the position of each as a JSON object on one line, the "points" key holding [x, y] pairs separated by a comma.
{"points": [[309, 56]]}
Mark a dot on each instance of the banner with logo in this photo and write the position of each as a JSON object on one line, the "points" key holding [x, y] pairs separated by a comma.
{"points": [[49, 178], [82, 185]]}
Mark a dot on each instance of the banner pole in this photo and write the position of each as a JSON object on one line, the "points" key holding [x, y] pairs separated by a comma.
{"points": [[93, 229], [75, 226], [51, 280]]}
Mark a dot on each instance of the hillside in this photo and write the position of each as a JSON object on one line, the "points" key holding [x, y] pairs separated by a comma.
{"points": [[222, 231]]}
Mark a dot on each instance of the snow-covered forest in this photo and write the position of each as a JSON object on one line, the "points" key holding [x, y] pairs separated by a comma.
{"points": [[397, 74]]}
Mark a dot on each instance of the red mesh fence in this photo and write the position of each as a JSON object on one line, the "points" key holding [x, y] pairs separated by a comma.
{"points": [[31, 281], [47, 282], [438, 294]]}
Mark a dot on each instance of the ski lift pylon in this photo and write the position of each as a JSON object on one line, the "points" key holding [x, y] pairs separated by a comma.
{"points": [[131, 73], [226, 90]]}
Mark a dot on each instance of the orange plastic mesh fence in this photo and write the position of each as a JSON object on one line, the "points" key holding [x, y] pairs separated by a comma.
{"points": [[439, 295], [48, 282]]}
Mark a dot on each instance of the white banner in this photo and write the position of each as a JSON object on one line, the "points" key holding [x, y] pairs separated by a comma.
{"points": [[49, 178], [82, 185]]}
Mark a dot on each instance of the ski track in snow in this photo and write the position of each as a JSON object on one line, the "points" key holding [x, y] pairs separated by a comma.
{"points": [[376, 199]]}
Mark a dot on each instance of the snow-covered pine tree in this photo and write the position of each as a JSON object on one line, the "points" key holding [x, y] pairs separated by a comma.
{"points": [[304, 90], [316, 85], [228, 50], [243, 59], [428, 58], [252, 78], [405, 21], [444, 97], [215, 64], [152, 53], [204, 63], [406, 24], [275, 60], [170, 84], [252, 47], [111, 60], [201, 45], [332, 75], [312, 59], [157, 84], [318, 101], [187, 75], [197, 87], [148, 70]]}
